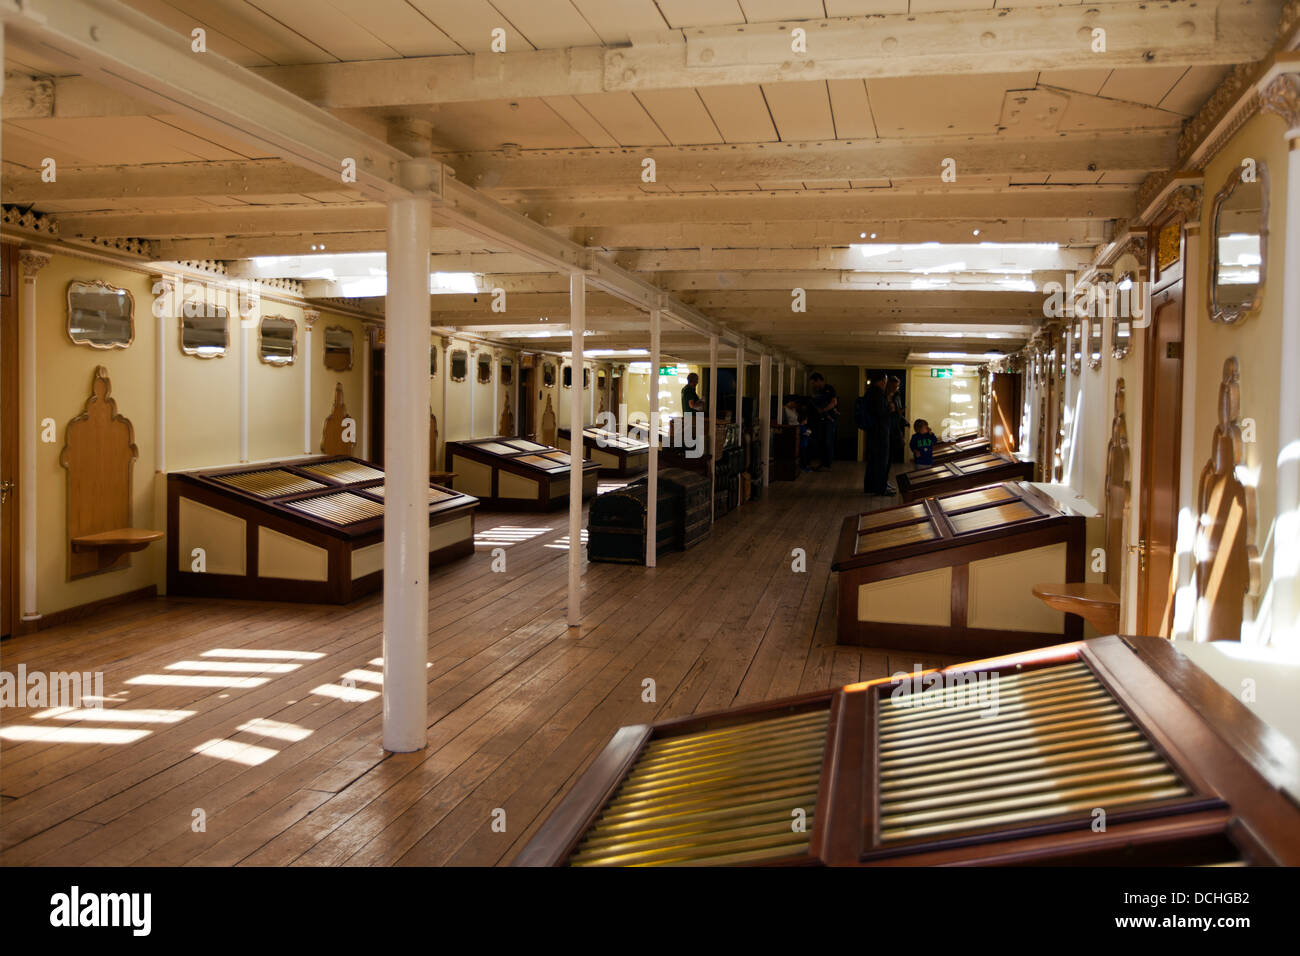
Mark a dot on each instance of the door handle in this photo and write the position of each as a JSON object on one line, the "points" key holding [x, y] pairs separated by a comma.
{"points": [[1141, 550], [6, 488]]}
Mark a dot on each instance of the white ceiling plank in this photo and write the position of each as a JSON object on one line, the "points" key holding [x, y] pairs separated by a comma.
{"points": [[549, 24], [1193, 89], [471, 22], [701, 13], [740, 113], [625, 118], [333, 30], [802, 111], [1147, 87], [404, 29], [941, 105], [615, 21], [529, 123], [223, 32], [681, 115], [769, 11], [851, 109], [582, 122], [1080, 81], [248, 24], [945, 6], [853, 8]]}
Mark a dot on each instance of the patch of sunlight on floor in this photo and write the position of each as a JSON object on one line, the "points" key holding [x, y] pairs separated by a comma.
{"points": [[506, 535], [72, 735], [196, 680], [248, 754], [256, 654], [115, 715], [275, 728], [233, 667], [350, 694]]}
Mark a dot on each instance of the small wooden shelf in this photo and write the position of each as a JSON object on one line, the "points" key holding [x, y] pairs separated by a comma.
{"points": [[1098, 604], [119, 539]]}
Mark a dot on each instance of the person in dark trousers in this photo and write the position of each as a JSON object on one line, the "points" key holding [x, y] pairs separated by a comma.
{"points": [[922, 443], [827, 404], [897, 424], [875, 476]]}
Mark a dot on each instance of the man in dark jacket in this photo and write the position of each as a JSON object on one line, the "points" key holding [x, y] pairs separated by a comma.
{"points": [[875, 478]]}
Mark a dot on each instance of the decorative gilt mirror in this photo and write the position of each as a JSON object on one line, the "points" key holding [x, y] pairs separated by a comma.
{"points": [[433, 360], [567, 376], [548, 374], [459, 365], [483, 363], [338, 348], [206, 333], [586, 377], [277, 340], [1096, 341], [100, 315], [1076, 346], [1240, 228], [507, 370]]}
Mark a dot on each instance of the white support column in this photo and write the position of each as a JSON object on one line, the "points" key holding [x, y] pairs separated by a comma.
{"points": [[577, 328], [780, 390], [1184, 618], [30, 262], [165, 287], [652, 479], [245, 334], [496, 392], [309, 317], [406, 467], [471, 379], [765, 414], [444, 418], [712, 417], [1281, 95], [367, 361], [517, 368]]}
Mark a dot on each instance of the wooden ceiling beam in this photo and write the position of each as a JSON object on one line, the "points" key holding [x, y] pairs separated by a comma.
{"points": [[1127, 151]]}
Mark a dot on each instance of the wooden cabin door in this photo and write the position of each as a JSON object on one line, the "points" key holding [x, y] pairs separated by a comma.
{"points": [[1004, 426], [8, 440], [1162, 400]]}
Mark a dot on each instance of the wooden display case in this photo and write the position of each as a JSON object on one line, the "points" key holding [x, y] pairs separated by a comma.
{"points": [[998, 762], [310, 529], [954, 574], [619, 456], [964, 471], [515, 474], [958, 447]]}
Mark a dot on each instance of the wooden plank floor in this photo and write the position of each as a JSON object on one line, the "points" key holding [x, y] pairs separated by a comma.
{"points": [[248, 733]]}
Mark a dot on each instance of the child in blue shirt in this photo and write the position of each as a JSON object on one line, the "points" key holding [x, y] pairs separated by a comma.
{"points": [[922, 443]]}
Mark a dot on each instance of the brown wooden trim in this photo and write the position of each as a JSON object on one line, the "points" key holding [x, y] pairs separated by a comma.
{"points": [[70, 614]]}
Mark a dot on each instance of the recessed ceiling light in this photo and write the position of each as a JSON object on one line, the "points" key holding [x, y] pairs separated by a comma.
{"points": [[975, 232], [863, 235]]}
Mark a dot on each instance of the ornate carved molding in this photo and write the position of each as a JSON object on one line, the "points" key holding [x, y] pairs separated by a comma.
{"points": [[1228, 561], [1186, 201], [309, 317], [32, 261], [1282, 97], [28, 219]]}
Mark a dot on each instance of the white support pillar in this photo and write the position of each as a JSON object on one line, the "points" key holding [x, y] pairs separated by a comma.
{"points": [[765, 414], [244, 348], [780, 389], [367, 362], [471, 378], [406, 468], [30, 262], [309, 317], [1184, 618], [165, 288], [577, 328], [496, 392], [444, 418], [1281, 95], [712, 418], [652, 479]]}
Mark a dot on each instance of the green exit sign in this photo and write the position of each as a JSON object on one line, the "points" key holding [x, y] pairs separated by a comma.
{"points": [[668, 370], [941, 373]]}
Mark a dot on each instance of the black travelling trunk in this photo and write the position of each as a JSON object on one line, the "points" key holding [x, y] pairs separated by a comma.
{"points": [[694, 508], [616, 524]]}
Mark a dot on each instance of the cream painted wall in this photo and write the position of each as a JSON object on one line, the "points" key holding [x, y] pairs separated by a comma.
{"points": [[1256, 342], [202, 413], [937, 400]]}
